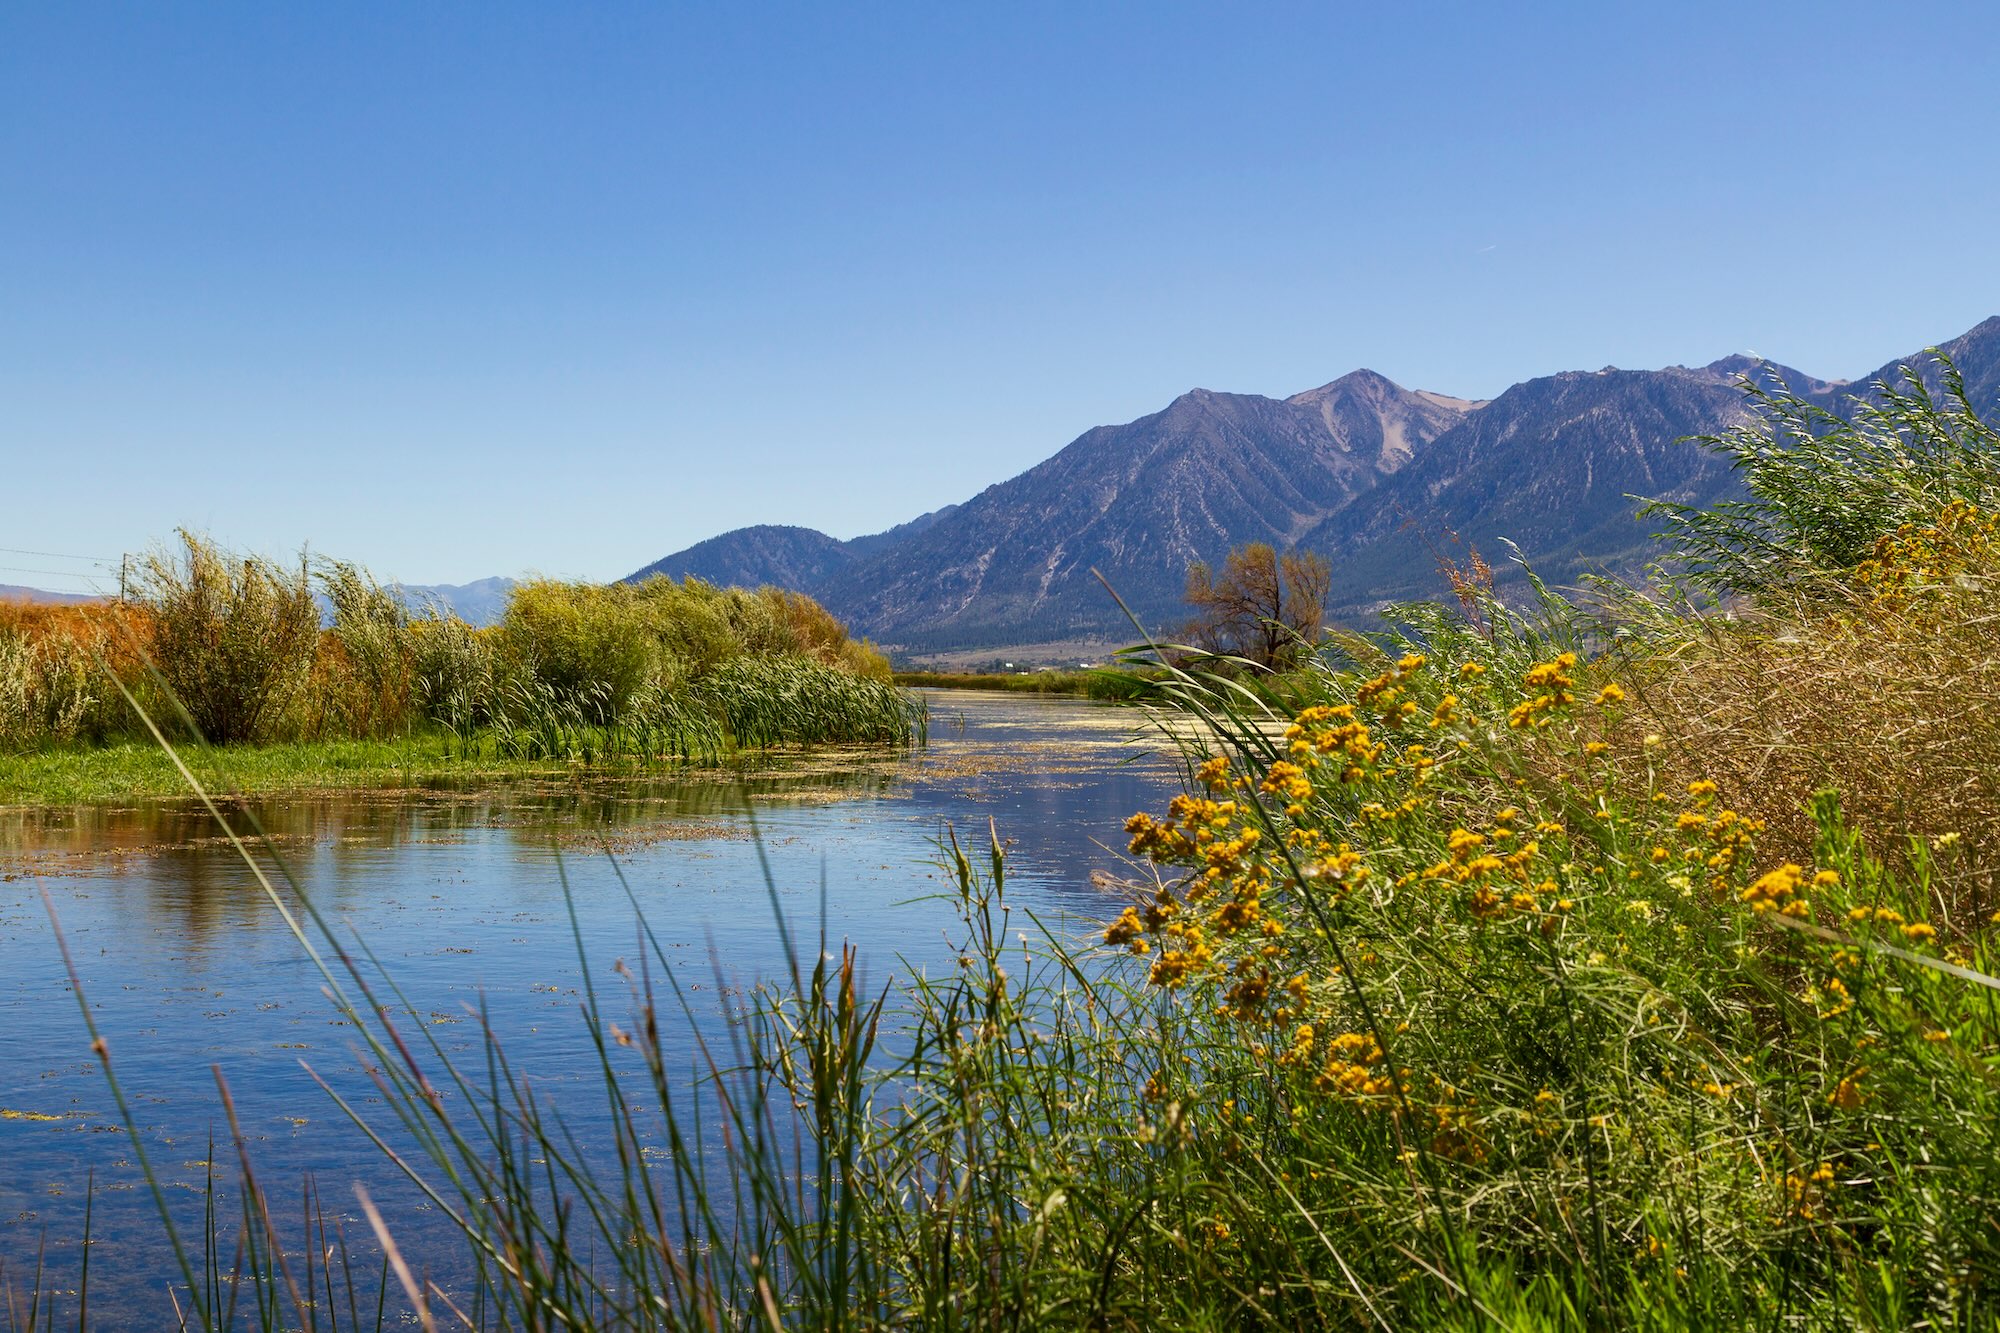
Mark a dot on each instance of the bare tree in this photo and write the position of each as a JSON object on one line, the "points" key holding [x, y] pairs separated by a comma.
{"points": [[1263, 606]]}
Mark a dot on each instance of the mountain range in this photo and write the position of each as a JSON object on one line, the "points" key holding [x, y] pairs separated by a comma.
{"points": [[480, 602], [1380, 478], [14, 592]]}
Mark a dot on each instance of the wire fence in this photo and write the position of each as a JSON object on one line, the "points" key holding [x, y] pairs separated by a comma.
{"points": [[88, 575]]}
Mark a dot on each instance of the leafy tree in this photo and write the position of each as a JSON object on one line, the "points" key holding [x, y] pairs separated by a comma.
{"points": [[1265, 607]]}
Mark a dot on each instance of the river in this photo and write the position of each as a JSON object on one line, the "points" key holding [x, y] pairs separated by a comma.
{"points": [[188, 968]]}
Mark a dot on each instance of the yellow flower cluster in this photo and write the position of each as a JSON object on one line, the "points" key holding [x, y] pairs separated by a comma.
{"points": [[1128, 930], [1778, 890], [1502, 884], [1456, 1125], [1323, 733], [1287, 780], [1804, 1192], [1549, 685], [1186, 953], [1916, 932], [1717, 839], [1962, 539], [1353, 1069], [1352, 814], [1385, 693]]}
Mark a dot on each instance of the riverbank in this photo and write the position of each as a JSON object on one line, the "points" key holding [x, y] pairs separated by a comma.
{"points": [[1111, 686], [132, 770]]}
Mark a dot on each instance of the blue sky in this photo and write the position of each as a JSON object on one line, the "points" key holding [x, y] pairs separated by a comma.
{"points": [[456, 290]]}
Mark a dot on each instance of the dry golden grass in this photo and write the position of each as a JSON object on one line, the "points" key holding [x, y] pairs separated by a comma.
{"points": [[1883, 690]]}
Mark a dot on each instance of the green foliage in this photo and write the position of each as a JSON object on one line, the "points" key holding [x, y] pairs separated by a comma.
{"points": [[791, 700], [1824, 488], [233, 637], [593, 644], [366, 660], [455, 670], [660, 668], [575, 672]]}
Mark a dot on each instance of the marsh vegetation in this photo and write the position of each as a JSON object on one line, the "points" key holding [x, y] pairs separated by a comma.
{"points": [[1613, 961], [318, 658]]}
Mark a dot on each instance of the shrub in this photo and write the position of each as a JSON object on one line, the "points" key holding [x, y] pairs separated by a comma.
{"points": [[56, 679], [454, 669], [233, 637], [690, 624], [365, 669], [591, 644], [1876, 689], [1825, 488], [1483, 1002], [573, 672], [1862, 634]]}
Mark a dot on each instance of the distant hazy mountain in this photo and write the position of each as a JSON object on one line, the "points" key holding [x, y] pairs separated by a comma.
{"points": [[1376, 476], [477, 603], [798, 558], [14, 592]]}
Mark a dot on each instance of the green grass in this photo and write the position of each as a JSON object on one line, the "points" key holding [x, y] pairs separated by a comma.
{"points": [[747, 708], [131, 770]]}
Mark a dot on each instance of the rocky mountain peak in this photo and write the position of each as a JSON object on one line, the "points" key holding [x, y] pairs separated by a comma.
{"points": [[1368, 413]]}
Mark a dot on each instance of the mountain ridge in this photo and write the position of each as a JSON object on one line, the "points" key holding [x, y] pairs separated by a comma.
{"points": [[1376, 476]]}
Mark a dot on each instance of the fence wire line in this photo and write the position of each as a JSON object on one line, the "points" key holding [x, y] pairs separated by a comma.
{"points": [[89, 580], [60, 555]]}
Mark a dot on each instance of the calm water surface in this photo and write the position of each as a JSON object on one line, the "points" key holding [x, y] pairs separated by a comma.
{"points": [[187, 967]]}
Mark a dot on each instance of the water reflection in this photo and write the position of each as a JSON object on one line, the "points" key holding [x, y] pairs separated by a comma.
{"points": [[187, 967]]}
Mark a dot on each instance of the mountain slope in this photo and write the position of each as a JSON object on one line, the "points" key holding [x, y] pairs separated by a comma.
{"points": [[1550, 465], [1976, 353], [790, 557], [1377, 417], [875, 543], [1137, 502], [801, 559]]}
